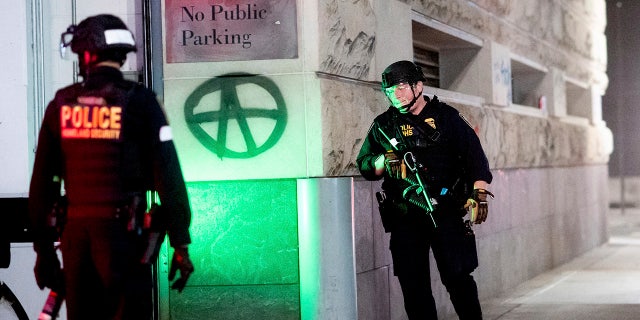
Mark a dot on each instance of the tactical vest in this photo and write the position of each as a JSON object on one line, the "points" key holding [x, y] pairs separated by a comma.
{"points": [[425, 136], [97, 130]]}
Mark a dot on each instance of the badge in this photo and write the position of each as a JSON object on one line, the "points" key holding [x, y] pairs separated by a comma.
{"points": [[431, 122]]}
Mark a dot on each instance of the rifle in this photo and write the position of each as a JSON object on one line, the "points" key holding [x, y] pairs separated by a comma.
{"points": [[414, 166]]}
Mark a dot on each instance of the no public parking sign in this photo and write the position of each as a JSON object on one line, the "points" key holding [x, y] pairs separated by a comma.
{"points": [[208, 30]]}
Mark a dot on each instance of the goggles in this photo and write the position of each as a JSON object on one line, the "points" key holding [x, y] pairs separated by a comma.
{"points": [[65, 42], [391, 91]]}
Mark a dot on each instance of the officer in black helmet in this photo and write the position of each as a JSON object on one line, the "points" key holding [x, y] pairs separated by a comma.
{"points": [[434, 171], [107, 142]]}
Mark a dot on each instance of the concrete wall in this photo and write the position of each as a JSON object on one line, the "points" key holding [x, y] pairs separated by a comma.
{"points": [[535, 224], [550, 165]]}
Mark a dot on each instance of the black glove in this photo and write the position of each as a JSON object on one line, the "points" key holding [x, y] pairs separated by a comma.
{"points": [[394, 165], [47, 270], [479, 205], [180, 261]]}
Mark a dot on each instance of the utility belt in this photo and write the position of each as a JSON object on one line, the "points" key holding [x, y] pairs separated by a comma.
{"points": [[134, 213], [147, 223]]}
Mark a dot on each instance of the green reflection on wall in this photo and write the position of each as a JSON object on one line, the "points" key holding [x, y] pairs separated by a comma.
{"points": [[244, 235]]}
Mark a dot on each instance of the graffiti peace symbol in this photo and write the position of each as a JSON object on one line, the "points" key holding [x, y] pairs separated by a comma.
{"points": [[230, 109]]}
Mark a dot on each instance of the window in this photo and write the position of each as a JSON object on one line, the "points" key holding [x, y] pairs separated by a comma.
{"points": [[446, 55], [578, 99], [527, 82], [430, 62]]}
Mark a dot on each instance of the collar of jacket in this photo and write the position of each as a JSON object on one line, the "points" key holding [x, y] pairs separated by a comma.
{"points": [[102, 74]]}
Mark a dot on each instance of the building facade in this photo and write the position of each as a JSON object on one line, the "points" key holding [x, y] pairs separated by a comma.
{"points": [[269, 103]]}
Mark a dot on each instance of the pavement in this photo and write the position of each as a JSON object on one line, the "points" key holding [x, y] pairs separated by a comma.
{"points": [[604, 283]]}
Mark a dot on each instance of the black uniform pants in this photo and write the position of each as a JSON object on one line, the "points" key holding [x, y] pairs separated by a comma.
{"points": [[103, 277], [455, 255]]}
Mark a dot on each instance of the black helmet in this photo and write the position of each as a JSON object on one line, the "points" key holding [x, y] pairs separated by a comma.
{"points": [[401, 71], [97, 34]]}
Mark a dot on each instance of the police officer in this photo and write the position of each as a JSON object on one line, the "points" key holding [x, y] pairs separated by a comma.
{"points": [[433, 168], [107, 142]]}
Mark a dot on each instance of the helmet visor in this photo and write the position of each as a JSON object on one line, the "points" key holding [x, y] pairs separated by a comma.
{"points": [[65, 43]]}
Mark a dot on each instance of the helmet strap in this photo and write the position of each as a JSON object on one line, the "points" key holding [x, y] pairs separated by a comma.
{"points": [[413, 101]]}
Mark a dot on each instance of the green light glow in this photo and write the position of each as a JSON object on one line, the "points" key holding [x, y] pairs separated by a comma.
{"points": [[309, 241], [245, 251]]}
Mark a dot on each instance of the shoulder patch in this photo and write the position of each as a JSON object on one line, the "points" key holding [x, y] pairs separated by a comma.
{"points": [[465, 120], [165, 134]]}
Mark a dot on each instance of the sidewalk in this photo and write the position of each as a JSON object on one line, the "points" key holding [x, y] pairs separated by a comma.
{"points": [[602, 284]]}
